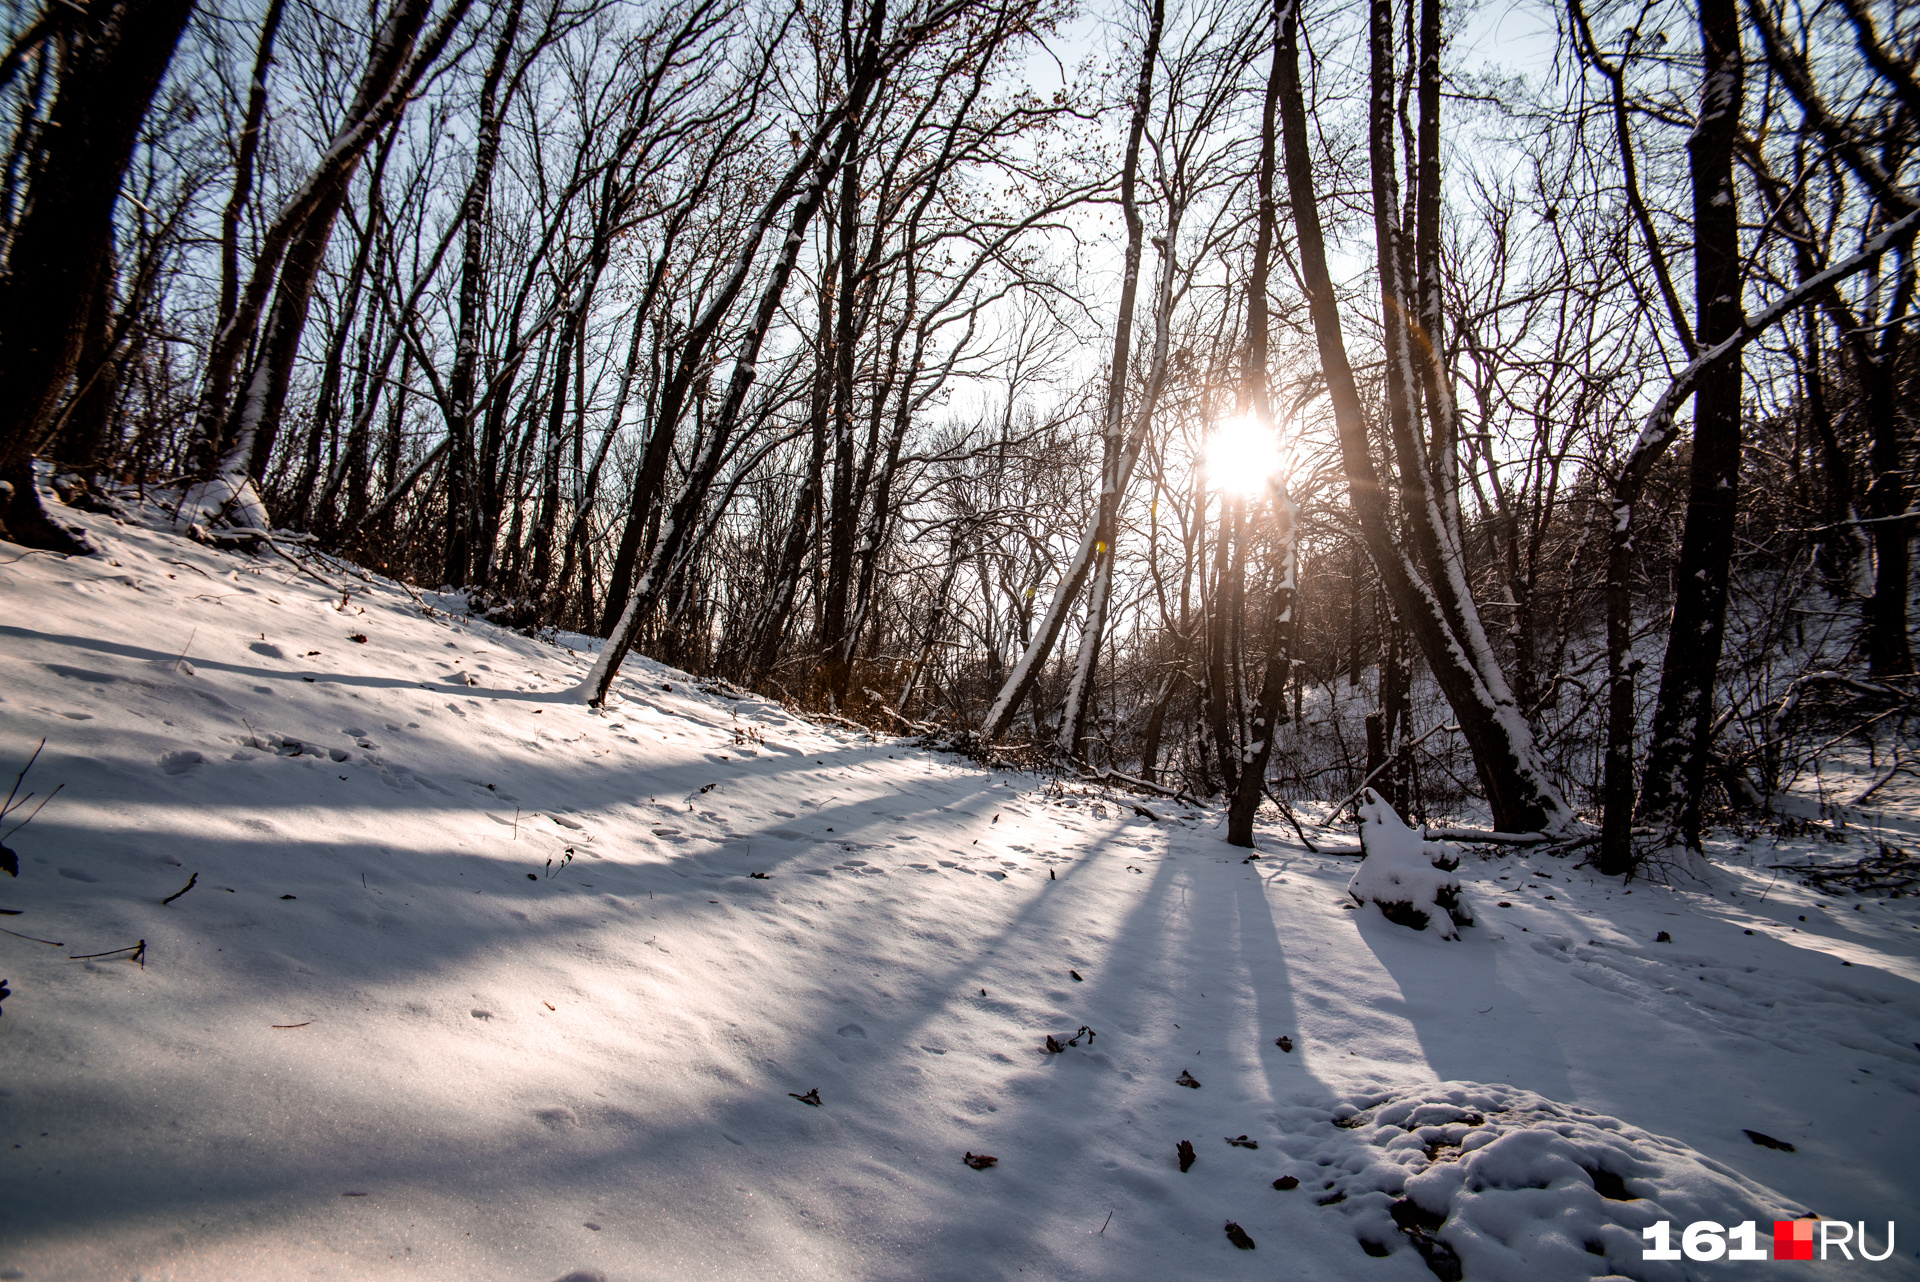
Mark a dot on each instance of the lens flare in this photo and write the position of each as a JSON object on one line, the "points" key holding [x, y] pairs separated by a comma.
{"points": [[1242, 455]]}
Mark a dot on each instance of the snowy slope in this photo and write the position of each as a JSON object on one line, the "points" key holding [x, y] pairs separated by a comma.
{"points": [[383, 1036]]}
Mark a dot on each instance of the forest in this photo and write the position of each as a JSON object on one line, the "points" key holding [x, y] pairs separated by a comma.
{"points": [[1236, 401]]}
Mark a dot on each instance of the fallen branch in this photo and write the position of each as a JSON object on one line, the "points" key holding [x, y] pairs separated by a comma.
{"points": [[1885, 779], [1891, 870], [1487, 838], [1111, 776], [879, 701], [183, 890], [1287, 810]]}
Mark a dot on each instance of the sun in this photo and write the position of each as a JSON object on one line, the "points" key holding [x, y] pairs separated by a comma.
{"points": [[1242, 455]]}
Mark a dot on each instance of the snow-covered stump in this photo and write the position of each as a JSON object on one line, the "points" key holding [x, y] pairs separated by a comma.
{"points": [[1410, 881], [229, 498]]}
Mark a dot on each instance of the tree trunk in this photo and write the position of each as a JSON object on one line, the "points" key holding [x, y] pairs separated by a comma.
{"points": [[1519, 791], [87, 421], [835, 665], [463, 505], [680, 520], [231, 435], [243, 161], [1114, 470], [63, 244], [1676, 774], [1889, 653]]}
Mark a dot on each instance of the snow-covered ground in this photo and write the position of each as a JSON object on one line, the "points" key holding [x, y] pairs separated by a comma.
{"points": [[392, 1030]]}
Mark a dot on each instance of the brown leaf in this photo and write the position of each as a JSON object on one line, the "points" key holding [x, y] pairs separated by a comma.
{"points": [[1238, 1236], [1187, 1079], [811, 1097], [1053, 1045], [1186, 1155], [1284, 1043], [1075, 974], [1242, 1142], [979, 1161], [1286, 1182]]}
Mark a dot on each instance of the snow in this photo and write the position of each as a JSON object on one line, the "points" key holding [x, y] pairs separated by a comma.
{"points": [[394, 1031], [1524, 1186]]}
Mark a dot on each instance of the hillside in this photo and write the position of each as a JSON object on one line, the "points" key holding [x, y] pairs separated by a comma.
{"points": [[470, 981]]}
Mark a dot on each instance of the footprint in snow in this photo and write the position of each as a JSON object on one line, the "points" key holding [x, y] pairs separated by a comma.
{"points": [[178, 763]]}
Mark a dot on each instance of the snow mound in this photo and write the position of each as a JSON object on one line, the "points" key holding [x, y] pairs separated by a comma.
{"points": [[1499, 1184], [1410, 881]]}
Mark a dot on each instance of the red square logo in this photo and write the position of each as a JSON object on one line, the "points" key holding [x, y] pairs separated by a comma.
{"points": [[1793, 1239]]}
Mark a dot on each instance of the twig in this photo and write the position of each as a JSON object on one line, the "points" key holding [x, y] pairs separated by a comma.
{"points": [[7, 805], [183, 890], [1393, 756], [299, 565], [36, 810], [1105, 1222], [51, 943], [302, 1024], [138, 950], [182, 656]]}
